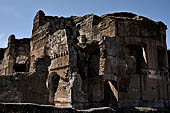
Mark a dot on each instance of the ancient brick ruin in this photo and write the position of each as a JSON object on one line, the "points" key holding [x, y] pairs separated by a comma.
{"points": [[113, 60]]}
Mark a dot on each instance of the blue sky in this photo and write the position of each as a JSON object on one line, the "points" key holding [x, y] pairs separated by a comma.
{"points": [[16, 16]]}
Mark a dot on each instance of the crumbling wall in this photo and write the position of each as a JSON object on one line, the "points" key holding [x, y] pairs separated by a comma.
{"points": [[26, 87], [23, 88], [117, 59], [44, 29], [122, 48], [96, 55], [141, 42], [60, 67], [16, 58]]}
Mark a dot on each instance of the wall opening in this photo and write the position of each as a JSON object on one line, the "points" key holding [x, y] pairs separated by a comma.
{"points": [[93, 63], [19, 68], [138, 52], [54, 81], [110, 93], [168, 60], [161, 58], [2, 52]]}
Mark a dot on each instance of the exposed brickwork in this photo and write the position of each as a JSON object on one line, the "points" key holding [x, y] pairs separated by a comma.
{"points": [[114, 60]]}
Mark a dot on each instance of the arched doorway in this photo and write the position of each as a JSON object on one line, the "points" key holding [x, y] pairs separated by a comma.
{"points": [[53, 85]]}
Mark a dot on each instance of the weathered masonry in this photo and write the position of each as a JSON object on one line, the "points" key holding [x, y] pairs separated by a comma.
{"points": [[114, 60]]}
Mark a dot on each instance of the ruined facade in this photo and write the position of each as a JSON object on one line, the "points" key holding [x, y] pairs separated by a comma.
{"points": [[117, 59]]}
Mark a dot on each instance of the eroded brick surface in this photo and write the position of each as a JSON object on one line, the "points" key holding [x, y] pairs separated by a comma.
{"points": [[117, 59]]}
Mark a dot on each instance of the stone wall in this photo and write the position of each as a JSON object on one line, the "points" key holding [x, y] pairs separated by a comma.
{"points": [[16, 57], [140, 45], [26, 87], [89, 61], [23, 88]]}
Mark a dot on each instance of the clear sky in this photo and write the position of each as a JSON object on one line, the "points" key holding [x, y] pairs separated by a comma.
{"points": [[16, 16]]}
